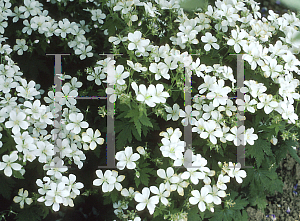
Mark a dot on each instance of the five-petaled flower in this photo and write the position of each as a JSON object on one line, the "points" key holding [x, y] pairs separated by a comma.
{"points": [[22, 197], [127, 158], [8, 163], [144, 200]]}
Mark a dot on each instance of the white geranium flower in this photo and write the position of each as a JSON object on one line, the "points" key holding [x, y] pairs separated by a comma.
{"points": [[128, 193], [107, 180], [127, 158], [161, 193], [236, 172], [119, 179], [173, 113], [267, 102], [221, 182], [160, 95], [8, 163], [92, 138], [144, 200], [145, 95], [216, 194], [211, 131], [77, 124], [210, 40], [169, 178], [288, 112], [20, 46], [22, 197], [246, 104], [188, 115], [249, 137], [67, 96], [201, 198], [237, 39], [137, 42], [55, 195], [17, 120]]}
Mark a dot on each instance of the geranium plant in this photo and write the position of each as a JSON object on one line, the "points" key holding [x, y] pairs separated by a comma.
{"points": [[142, 55]]}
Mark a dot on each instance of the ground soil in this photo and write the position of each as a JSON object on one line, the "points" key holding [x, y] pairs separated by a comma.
{"points": [[289, 171]]}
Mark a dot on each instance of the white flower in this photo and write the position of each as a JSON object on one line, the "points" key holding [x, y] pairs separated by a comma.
{"points": [[221, 182], [193, 174], [237, 39], [107, 180], [90, 137], [161, 193], [246, 104], [44, 186], [22, 198], [288, 112], [119, 179], [27, 90], [55, 195], [188, 115], [84, 51], [128, 193], [249, 137], [201, 199], [8, 163], [144, 200], [237, 135], [97, 15], [77, 124], [17, 120], [174, 114], [67, 96], [127, 158], [163, 67], [145, 95], [160, 95], [169, 178], [267, 103], [216, 194], [44, 151], [20, 46], [218, 93], [236, 172], [210, 130], [210, 40], [137, 42]]}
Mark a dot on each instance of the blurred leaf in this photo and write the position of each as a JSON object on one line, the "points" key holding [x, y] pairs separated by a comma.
{"points": [[191, 5], [291, 4], [296, 37]]}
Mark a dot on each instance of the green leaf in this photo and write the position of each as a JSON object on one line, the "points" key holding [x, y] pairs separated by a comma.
{"points": [[144, 176], [293, 153], [191, 5], [17, 174], [145, 121], [260, 202], [29, 214], [8, 144], [137, 181], [138, 126], [6, 186], [193, 214], [291, 4], [256, 151]]}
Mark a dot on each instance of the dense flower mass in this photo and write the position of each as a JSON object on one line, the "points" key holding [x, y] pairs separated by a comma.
{"points": [[153, 77]]}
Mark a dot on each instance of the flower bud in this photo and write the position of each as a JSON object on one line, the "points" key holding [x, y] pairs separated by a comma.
{"points": [[137, 173], [274, 140], [141, 150], [220, 164]]}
